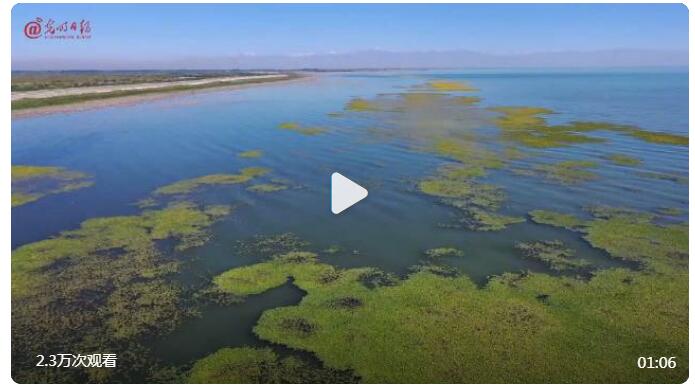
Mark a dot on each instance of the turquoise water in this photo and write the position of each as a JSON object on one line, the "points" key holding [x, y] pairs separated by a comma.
{"points": [[132, 150]]}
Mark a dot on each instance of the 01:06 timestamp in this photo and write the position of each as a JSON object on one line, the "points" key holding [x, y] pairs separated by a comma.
{"points": [[656, 362]]}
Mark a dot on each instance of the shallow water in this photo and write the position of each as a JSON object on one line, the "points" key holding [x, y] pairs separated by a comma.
{"points": [[132, 150]]}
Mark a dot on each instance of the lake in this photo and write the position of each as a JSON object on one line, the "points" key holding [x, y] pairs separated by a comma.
{"points": [[132, 150]]}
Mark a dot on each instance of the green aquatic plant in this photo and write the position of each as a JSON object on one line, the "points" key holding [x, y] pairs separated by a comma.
{"points": [[623, 159], [569, 172], [267, 187], [628, 235], [552, 218], [297, 128], [436, 253], [528, 126], [660, 138], [261, 365], [443, 270], [467, 153], [521, 118], [31, 183], [467, 100], [251, 154], [603, 211], [476, 202], [19, 198], [261, 277], [636, 239], [261, 245], [672, 177], [450, 86], [182, 221], [147, 203], [553, 253], [438, 326], [104, 286], [452, 188], [289, 125], [455, 186], [359, 104], [479, 219], [191, 185]]}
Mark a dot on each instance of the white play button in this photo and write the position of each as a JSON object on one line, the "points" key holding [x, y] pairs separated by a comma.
{"points": [[345, 193]]}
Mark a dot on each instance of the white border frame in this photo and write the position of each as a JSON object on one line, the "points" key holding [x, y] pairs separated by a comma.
{"points": [[6, 228]]}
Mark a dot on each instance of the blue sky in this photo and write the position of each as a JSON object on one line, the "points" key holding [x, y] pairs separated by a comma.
{"points": [[141, 32]]}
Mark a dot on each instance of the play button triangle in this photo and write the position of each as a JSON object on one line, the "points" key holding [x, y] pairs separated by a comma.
{"points": [[345, 193]]}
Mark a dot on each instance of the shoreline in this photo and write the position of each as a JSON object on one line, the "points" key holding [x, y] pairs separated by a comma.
{"points": [[138, 94]]}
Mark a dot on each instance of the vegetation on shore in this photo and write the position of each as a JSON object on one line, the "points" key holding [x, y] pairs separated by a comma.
{"points": [[28, 103]]}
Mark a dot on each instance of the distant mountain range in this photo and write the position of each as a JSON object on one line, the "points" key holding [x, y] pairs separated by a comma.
{"points": [[377, 59]]}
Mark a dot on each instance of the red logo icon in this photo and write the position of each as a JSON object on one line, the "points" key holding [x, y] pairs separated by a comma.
{"points": [[64, 30], [32, 30]]}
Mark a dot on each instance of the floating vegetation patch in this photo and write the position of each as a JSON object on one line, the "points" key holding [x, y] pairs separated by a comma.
{"points": [[628, 235], [455, 186], [553, 253], [566, 172], [660, 138], [623, 159], [191, 185], [267, 187], [251, 154], [528, 126], [297, 128], [359, 104], [31, 183], [437, 326], [422, 116], [672, 177], [271, 245], [471, 154], [103, 287], [552, 218], [450, 86], [261, 365], [257, 278], [438, 253], [442, 270]]}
